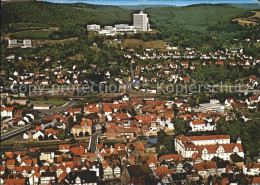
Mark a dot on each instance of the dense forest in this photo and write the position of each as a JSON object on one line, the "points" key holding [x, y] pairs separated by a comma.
{"points": [[205, 27], [59, 14], [69, 17]]}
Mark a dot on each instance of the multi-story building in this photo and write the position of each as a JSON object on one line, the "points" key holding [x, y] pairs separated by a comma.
{"points": [[141, 21], [93, 27], [208, 146]]}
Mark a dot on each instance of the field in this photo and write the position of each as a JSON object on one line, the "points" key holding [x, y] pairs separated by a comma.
{"points": [[50, 42], [35, 34], [257, 44], [252, 20], [135, 43], [50, 101], [27, 26]]}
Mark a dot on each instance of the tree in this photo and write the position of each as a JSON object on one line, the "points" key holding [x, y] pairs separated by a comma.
{"points": [[71, 123], [164, 143], [62, 134], [181, 126], [103, 129]]}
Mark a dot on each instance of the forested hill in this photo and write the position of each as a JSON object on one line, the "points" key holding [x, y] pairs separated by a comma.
{"points": [[57, 14], [193, 17], [203, 26]]}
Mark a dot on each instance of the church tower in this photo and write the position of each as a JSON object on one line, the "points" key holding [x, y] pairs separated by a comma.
{"points": [[101, 113]]}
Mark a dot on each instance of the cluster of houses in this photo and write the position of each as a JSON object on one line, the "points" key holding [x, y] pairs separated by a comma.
{"points": [[172, 70], [173, 52], [127, 118], [13, 114], [128, 160], [126, 163]]}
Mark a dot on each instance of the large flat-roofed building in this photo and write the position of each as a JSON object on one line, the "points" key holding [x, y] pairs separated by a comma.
{"points": [[124, 28], [93, 27], [42, 106], [213, 106], [27, 43], [141, 21]]}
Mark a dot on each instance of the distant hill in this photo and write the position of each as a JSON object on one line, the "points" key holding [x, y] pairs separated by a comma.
{"points": [[141, 7], [193, 17], [247, 6]]}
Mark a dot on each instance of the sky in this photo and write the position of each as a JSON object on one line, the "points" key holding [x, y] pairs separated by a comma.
{"points": [[152, 2]]}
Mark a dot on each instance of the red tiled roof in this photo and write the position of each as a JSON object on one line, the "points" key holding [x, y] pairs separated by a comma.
{"points": [[88, 122], [252, 77], [14, 181], [162, 171], [72, 110], [152, 159], [78, 150], [253, 97], [66, 146], [173, 157], [8, 109], [228, 148], [195, 138], [220, 62], [198, 122], [10, 162], [205, 165], [256, 180]]}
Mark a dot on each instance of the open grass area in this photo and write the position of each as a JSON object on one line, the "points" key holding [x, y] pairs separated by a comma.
{"points": [[39, 34], [27, 26], [56, 102], [246, 21], [135, 43], [257, 44]]}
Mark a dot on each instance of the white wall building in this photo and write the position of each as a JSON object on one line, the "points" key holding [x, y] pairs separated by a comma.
{"points": [[93, 27], [207, 146], [141, 21], [213, 106], [200, 125]]}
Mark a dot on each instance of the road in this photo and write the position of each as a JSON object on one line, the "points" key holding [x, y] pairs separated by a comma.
{"points": [[21, 129], [94, 142]]}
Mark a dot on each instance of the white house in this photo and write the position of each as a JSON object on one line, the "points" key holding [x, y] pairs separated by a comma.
{"points": [[251, 169], [200, 125], [7, 112], [38, 134]]}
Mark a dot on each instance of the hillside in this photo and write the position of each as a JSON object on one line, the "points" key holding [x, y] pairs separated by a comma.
{"points": [[194, 17], [58, 14], [247, 6]]}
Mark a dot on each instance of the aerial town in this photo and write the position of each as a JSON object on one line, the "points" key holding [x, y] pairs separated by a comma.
{"points": [[124, 104]]}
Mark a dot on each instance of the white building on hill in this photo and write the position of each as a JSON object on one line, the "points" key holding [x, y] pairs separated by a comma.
{"points": [[141, 21]]}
